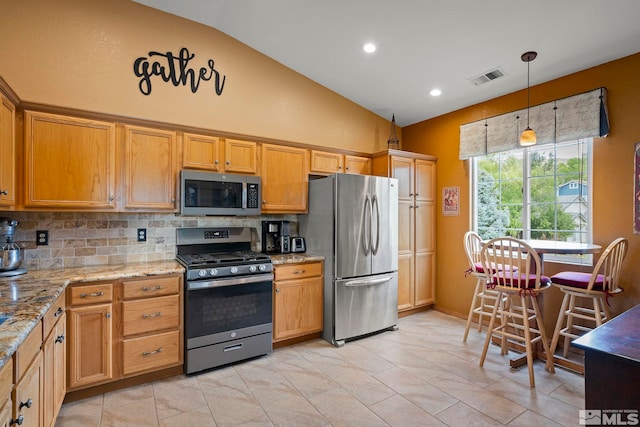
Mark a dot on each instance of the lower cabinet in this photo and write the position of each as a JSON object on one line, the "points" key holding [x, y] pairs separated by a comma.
{"points": [[122, 329], [297, 300], [54, 361], [28, 374], [6, 386]]}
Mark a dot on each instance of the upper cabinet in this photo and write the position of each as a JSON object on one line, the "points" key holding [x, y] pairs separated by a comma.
{"points": [[327, 163], [284, 179], [150, 172], [7, 152], [219, 154], [69, 162]]}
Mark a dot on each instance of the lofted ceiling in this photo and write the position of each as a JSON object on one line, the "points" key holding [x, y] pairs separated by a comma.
{"points": [[424, 44]]}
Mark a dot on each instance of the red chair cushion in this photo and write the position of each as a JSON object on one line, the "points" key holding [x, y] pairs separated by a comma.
{"points": [[480, 268], [520, 280], [577, 279]]}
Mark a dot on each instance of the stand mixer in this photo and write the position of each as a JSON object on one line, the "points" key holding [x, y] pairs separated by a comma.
{"points": [[11, 255]]}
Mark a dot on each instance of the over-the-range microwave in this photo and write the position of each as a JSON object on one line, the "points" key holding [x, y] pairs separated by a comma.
{"points": [[209, 193]]}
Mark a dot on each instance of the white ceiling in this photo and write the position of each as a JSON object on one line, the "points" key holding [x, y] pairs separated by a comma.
{"points": [[423, 44]]}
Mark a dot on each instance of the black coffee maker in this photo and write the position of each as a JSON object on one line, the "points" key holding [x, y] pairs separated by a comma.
{"points": [[275, 237]]}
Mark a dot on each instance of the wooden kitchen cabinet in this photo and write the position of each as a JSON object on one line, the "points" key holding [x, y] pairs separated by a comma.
{"points": [[240, 156], [201, 152], [29, 379], [70, 162], [327, 163], [150, 169], [284, 172], [297, 300], [7, 152], [90, 335], [416, 224], [54, 360], [6, 386]]}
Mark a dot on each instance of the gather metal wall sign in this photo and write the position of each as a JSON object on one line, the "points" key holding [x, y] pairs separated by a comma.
{"points": [[176, 69]]}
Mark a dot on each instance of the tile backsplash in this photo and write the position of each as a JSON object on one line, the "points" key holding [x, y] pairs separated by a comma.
{"points": [[88, 238]]}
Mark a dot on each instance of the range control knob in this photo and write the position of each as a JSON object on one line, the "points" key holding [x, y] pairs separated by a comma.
{"points": [[234, 270], [252, 268], [262, 267], [213, 272], [202, 273]]}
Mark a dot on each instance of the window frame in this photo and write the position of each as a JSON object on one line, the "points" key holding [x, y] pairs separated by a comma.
{"points": [[586, 259]]}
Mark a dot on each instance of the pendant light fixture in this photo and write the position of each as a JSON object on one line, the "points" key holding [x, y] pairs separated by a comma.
{"points": [[393, 141], [528, 137]]}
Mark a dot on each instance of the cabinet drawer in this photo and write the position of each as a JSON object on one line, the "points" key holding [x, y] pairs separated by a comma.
{"points": [[152, 314], [151, 287], [298, 271], [91, 294], [27, 351], [150, 352], [53, 315]]}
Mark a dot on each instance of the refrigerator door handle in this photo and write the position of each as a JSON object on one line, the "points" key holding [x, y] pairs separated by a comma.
{"points": [[366, 232], [368, 282], [374, 249]]}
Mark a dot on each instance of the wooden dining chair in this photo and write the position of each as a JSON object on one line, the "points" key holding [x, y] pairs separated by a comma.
{"points": [[520, 282], [586, 295], [483, 298]]}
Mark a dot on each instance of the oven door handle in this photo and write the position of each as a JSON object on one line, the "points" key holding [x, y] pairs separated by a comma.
{"points": [[231, 281]]}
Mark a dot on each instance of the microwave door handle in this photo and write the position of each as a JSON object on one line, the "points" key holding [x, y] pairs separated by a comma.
{"points": [[244, 195]]}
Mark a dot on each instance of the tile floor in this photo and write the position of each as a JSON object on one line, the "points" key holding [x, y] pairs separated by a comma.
{"points": [[420, 375]]}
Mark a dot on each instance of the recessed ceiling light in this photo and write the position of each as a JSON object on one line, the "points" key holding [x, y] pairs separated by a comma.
{"points": [[435, 92], [369, 47]]}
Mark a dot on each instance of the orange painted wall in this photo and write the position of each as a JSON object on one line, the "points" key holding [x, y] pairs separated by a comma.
{"points": [[612, 177], [79, 54]]}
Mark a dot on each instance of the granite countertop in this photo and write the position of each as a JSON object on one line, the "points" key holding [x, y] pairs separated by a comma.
{"points": [[25, 299], [295, 258]]}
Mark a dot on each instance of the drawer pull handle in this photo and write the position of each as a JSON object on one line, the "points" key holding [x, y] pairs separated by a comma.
{"points": [[58, 312], [232, 347], [151, 353], [152, 315], [299, 271], [59, 338], [28, 404], [95, 294], [18, 421], [151, 288]]}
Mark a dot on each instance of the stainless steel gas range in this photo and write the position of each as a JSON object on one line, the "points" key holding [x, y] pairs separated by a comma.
{"points": [[228, 297]]}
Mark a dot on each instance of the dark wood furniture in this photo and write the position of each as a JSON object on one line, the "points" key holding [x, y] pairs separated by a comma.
{"points": [[612, 363]]}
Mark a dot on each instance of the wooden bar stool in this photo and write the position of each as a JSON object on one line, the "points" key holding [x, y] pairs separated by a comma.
{"points": [[520, 282], [483, 298], [585, 295]]}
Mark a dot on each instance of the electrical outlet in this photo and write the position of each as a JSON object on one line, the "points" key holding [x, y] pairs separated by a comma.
{"points": [[142, 234], [42, 237]]}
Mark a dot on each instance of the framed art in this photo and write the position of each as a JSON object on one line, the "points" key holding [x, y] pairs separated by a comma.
{"points": [[451, 201], [636, 189]]}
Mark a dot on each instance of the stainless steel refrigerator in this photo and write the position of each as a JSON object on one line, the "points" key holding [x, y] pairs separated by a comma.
{"points": [[353, 223]]}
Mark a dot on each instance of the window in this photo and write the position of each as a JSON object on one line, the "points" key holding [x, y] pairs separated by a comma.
{"points": [[541, 192]]}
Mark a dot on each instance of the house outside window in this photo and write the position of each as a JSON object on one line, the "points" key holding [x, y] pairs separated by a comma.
{"points": [[541, 192]]}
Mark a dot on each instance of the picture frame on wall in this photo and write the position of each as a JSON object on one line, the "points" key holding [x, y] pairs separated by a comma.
{"points": [[636, 189], [451, 201]]}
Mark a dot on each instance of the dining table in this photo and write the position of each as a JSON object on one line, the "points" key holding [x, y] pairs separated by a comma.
{"points": [[544, 247]]}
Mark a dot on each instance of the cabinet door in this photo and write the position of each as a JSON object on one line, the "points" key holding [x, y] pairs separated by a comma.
{"points": [[402, 169], [405, 281], [55, 372], [201, 152], [425, 217], [357, 165], [149, 168], [406, 245], [7, 152], [90, 345], [284, 178], [326, 163], [297, 308], [240, 156], [5, 413], [70, 162], [28, 396], [425, 180]]}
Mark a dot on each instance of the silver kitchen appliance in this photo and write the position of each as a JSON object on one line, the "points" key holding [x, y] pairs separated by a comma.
{"points": [[353, 223], [228, 297], [11, 254], [298, 245]]}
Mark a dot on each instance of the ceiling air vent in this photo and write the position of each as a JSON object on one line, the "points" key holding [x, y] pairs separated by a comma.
{"points": [[487, 76]]}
